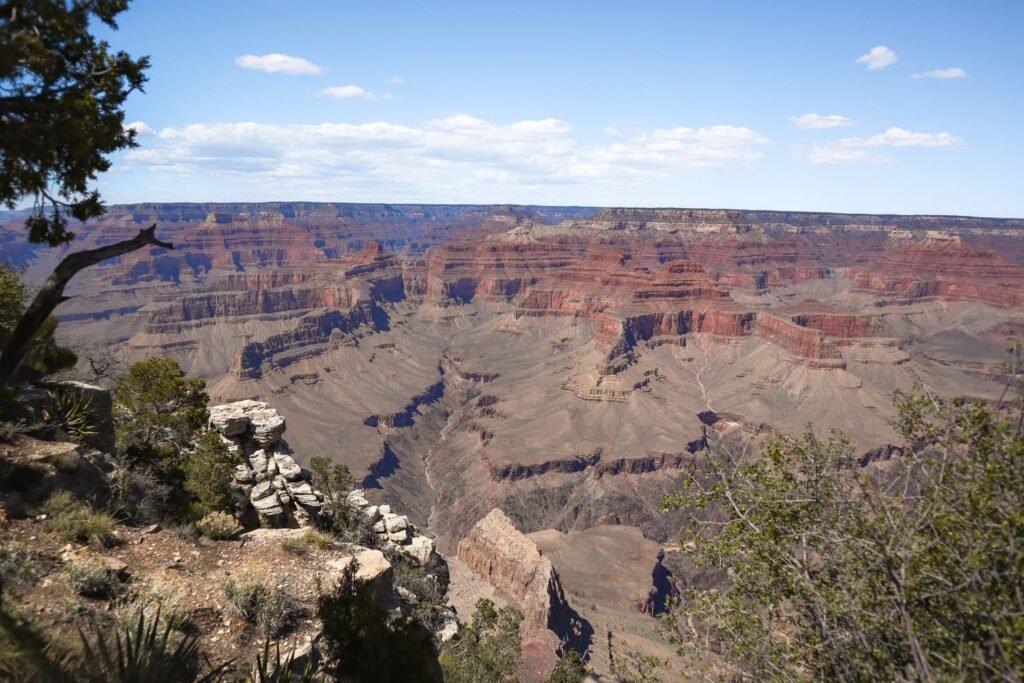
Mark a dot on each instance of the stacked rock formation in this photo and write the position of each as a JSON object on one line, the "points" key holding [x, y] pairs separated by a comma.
{"points": [[270, 483], [393, 530]]}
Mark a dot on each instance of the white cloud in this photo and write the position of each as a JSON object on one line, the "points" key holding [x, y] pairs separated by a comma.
{"points": [[458, 156], [396, 80], [817, 121], [346, 92], [877, 57], [942, 74], [861, 150], [831, 155], [141, 128], [901, 137], [276, 63]]}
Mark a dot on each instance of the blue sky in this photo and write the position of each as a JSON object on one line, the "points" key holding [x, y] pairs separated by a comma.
{"points": [[598, 103]]}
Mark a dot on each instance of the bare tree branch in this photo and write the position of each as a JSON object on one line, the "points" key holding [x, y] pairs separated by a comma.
{"points": [[51, 295]]}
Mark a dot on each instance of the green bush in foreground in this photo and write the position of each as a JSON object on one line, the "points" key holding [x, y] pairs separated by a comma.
{"points": [[209, 469], [361, 644], [485, 650], [912, 571]]}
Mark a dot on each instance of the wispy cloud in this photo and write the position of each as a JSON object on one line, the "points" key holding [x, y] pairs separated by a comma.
{"points": [[461, 155], [276, 63], [901, 137], [350, 92], [942, 74], [865, 150], [817, 121], [833, 155], [396, 80], [877, 57]]}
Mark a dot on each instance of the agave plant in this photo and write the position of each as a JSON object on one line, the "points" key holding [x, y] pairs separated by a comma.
{"points": [[71, 413], [276, 671], [145, 653]]}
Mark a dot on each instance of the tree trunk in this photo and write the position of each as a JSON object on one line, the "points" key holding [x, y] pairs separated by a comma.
{"points": [[51, 294]]}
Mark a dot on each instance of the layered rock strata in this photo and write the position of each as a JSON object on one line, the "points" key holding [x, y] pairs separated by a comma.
{"points": [[511, 563], [271, 485]]}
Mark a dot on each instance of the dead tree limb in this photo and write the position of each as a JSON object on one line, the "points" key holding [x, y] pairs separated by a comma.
{"points": [[51, 295]]}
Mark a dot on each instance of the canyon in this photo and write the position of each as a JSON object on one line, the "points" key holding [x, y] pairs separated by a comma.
{"points": [[558, 365]]}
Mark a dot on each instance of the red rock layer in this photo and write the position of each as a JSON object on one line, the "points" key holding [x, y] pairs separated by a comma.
{"points": [[944, 268]]}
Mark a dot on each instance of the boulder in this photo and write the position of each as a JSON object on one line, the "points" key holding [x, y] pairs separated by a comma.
{"points": [[303, 493], [261, 490], [396, 523], [401, 537], [372, 566], [259, 461], [244, 475], [287, 467], [270, 506], [230, 419], [420, 548], [357, 499], [267, 427]]}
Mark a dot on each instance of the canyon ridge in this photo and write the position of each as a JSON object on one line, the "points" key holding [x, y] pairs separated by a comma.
{"points": [[557, 364]]}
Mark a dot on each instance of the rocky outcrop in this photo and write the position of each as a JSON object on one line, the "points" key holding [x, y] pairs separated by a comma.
{"points": [[511, 563], [394, 531], [272, 487]]}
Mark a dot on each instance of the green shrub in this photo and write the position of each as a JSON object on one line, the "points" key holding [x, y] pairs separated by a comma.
{"points": [[311, 538], [219, 526], [91, 578], [269, 607], [570, 668], [73, 520], [362, 644], [911, 571], [485, 650], [158, 414], [209, 470]]}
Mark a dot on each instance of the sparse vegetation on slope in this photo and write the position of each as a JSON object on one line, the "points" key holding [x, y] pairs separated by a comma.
{"points": [[485, 650]]}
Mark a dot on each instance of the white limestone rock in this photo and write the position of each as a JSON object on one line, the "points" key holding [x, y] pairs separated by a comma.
{"points": [[372, 567], [400, 537], [261, 490], [267, 426], [244, 475], [395, 523], [357, 499], [259, 461], [230, 419], [420, 548], [287, 467]]}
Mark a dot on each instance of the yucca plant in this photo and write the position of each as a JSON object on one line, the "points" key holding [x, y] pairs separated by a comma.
{"points": [[145, 653], [71, 413], [276, 671]]}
